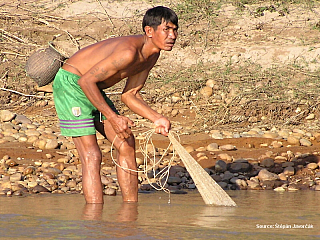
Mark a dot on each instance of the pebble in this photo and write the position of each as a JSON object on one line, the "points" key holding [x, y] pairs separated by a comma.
{"points": [[312, 166], [293, 140], [213, 147], [228, 147]]}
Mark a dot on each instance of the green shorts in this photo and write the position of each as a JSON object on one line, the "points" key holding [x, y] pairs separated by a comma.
{"points": [[75, 112]]}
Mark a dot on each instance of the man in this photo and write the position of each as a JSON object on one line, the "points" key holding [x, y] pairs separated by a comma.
{"points": [[83, 108]]}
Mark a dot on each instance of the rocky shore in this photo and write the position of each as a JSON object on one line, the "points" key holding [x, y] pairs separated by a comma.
{"points": [[288, 171]]}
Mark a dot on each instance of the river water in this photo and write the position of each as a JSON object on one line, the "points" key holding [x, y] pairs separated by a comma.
{"points": [[259, 215]]}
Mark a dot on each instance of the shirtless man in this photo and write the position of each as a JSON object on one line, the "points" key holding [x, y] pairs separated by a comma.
{"points": [[83, 108]]}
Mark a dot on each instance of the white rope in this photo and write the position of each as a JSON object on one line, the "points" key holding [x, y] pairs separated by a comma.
{"points": [[149, 161]]}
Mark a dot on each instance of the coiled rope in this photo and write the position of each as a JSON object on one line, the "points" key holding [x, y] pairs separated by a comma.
{"points": [[150, 163]]}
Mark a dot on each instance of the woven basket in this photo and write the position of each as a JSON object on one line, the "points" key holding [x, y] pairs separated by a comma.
{"points": [[43, 65]]}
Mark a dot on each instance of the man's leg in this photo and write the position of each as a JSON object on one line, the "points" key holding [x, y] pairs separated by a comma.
{"points": [[90, 156], [126, 158]]}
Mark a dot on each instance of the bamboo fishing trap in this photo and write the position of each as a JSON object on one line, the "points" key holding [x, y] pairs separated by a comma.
{"points": [[43, 65]]}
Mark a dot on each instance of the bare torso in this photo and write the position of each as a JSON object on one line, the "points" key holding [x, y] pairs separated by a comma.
{"points": [[83, 62]]}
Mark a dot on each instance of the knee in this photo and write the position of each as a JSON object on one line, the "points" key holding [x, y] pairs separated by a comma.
{"points": [[128, 145], [92, 158]]}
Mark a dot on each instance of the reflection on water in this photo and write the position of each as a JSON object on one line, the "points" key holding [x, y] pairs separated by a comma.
{"points": [[259, 215]]}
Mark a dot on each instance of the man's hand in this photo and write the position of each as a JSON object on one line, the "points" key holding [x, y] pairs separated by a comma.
{"points": [[121, 126], [162, 126]]}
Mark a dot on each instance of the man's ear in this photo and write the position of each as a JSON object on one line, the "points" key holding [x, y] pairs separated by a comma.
{"points": [[149, 31]]}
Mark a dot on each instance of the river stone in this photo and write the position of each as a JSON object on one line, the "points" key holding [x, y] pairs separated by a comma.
{"points": [[7, 126], [8, 139], [11, 163], [39, 189], [32, 132], [265, 175], [212, 147], [172, 180], [279, 189], [40, 143], [206, 91], [270, 135], [22, 119], [284, 134], [51, 144], [5, 185], [293, 140], [268, 162], [305, 142], [15, 177], [202, 158], [312, 166], [111, 191], [71, 184], [191, 186], [253, 185], [235, 167], [216, 135], [32, 184], [216, 178], [200, 154], [32, 139], [189, 149], [225, 156], [317, 188], [106, 180], [228, 147], [227, 176], [223, 185], [233, 180], [6, 115], [276, 144], [287, 164], [289, 171], [268, 184], [48, 175], [220, 166], [29, 170], [53, 170], [242, 184]]}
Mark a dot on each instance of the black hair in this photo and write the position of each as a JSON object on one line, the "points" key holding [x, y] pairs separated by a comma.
{"points": [[155, 16]]}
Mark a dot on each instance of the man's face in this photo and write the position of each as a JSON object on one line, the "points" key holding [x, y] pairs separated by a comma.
{"points": [[165, 36]]}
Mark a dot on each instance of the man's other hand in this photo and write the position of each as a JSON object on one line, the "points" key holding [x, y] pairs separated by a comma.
{"points": [[162, 126]]}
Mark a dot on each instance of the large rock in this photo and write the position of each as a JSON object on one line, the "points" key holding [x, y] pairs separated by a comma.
{"points": [[220, 166], [6, 115], [268, 162], [265, 175], [289, 171]]}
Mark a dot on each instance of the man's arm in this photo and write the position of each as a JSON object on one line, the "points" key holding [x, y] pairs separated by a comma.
{"points": [[135, 102]]}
